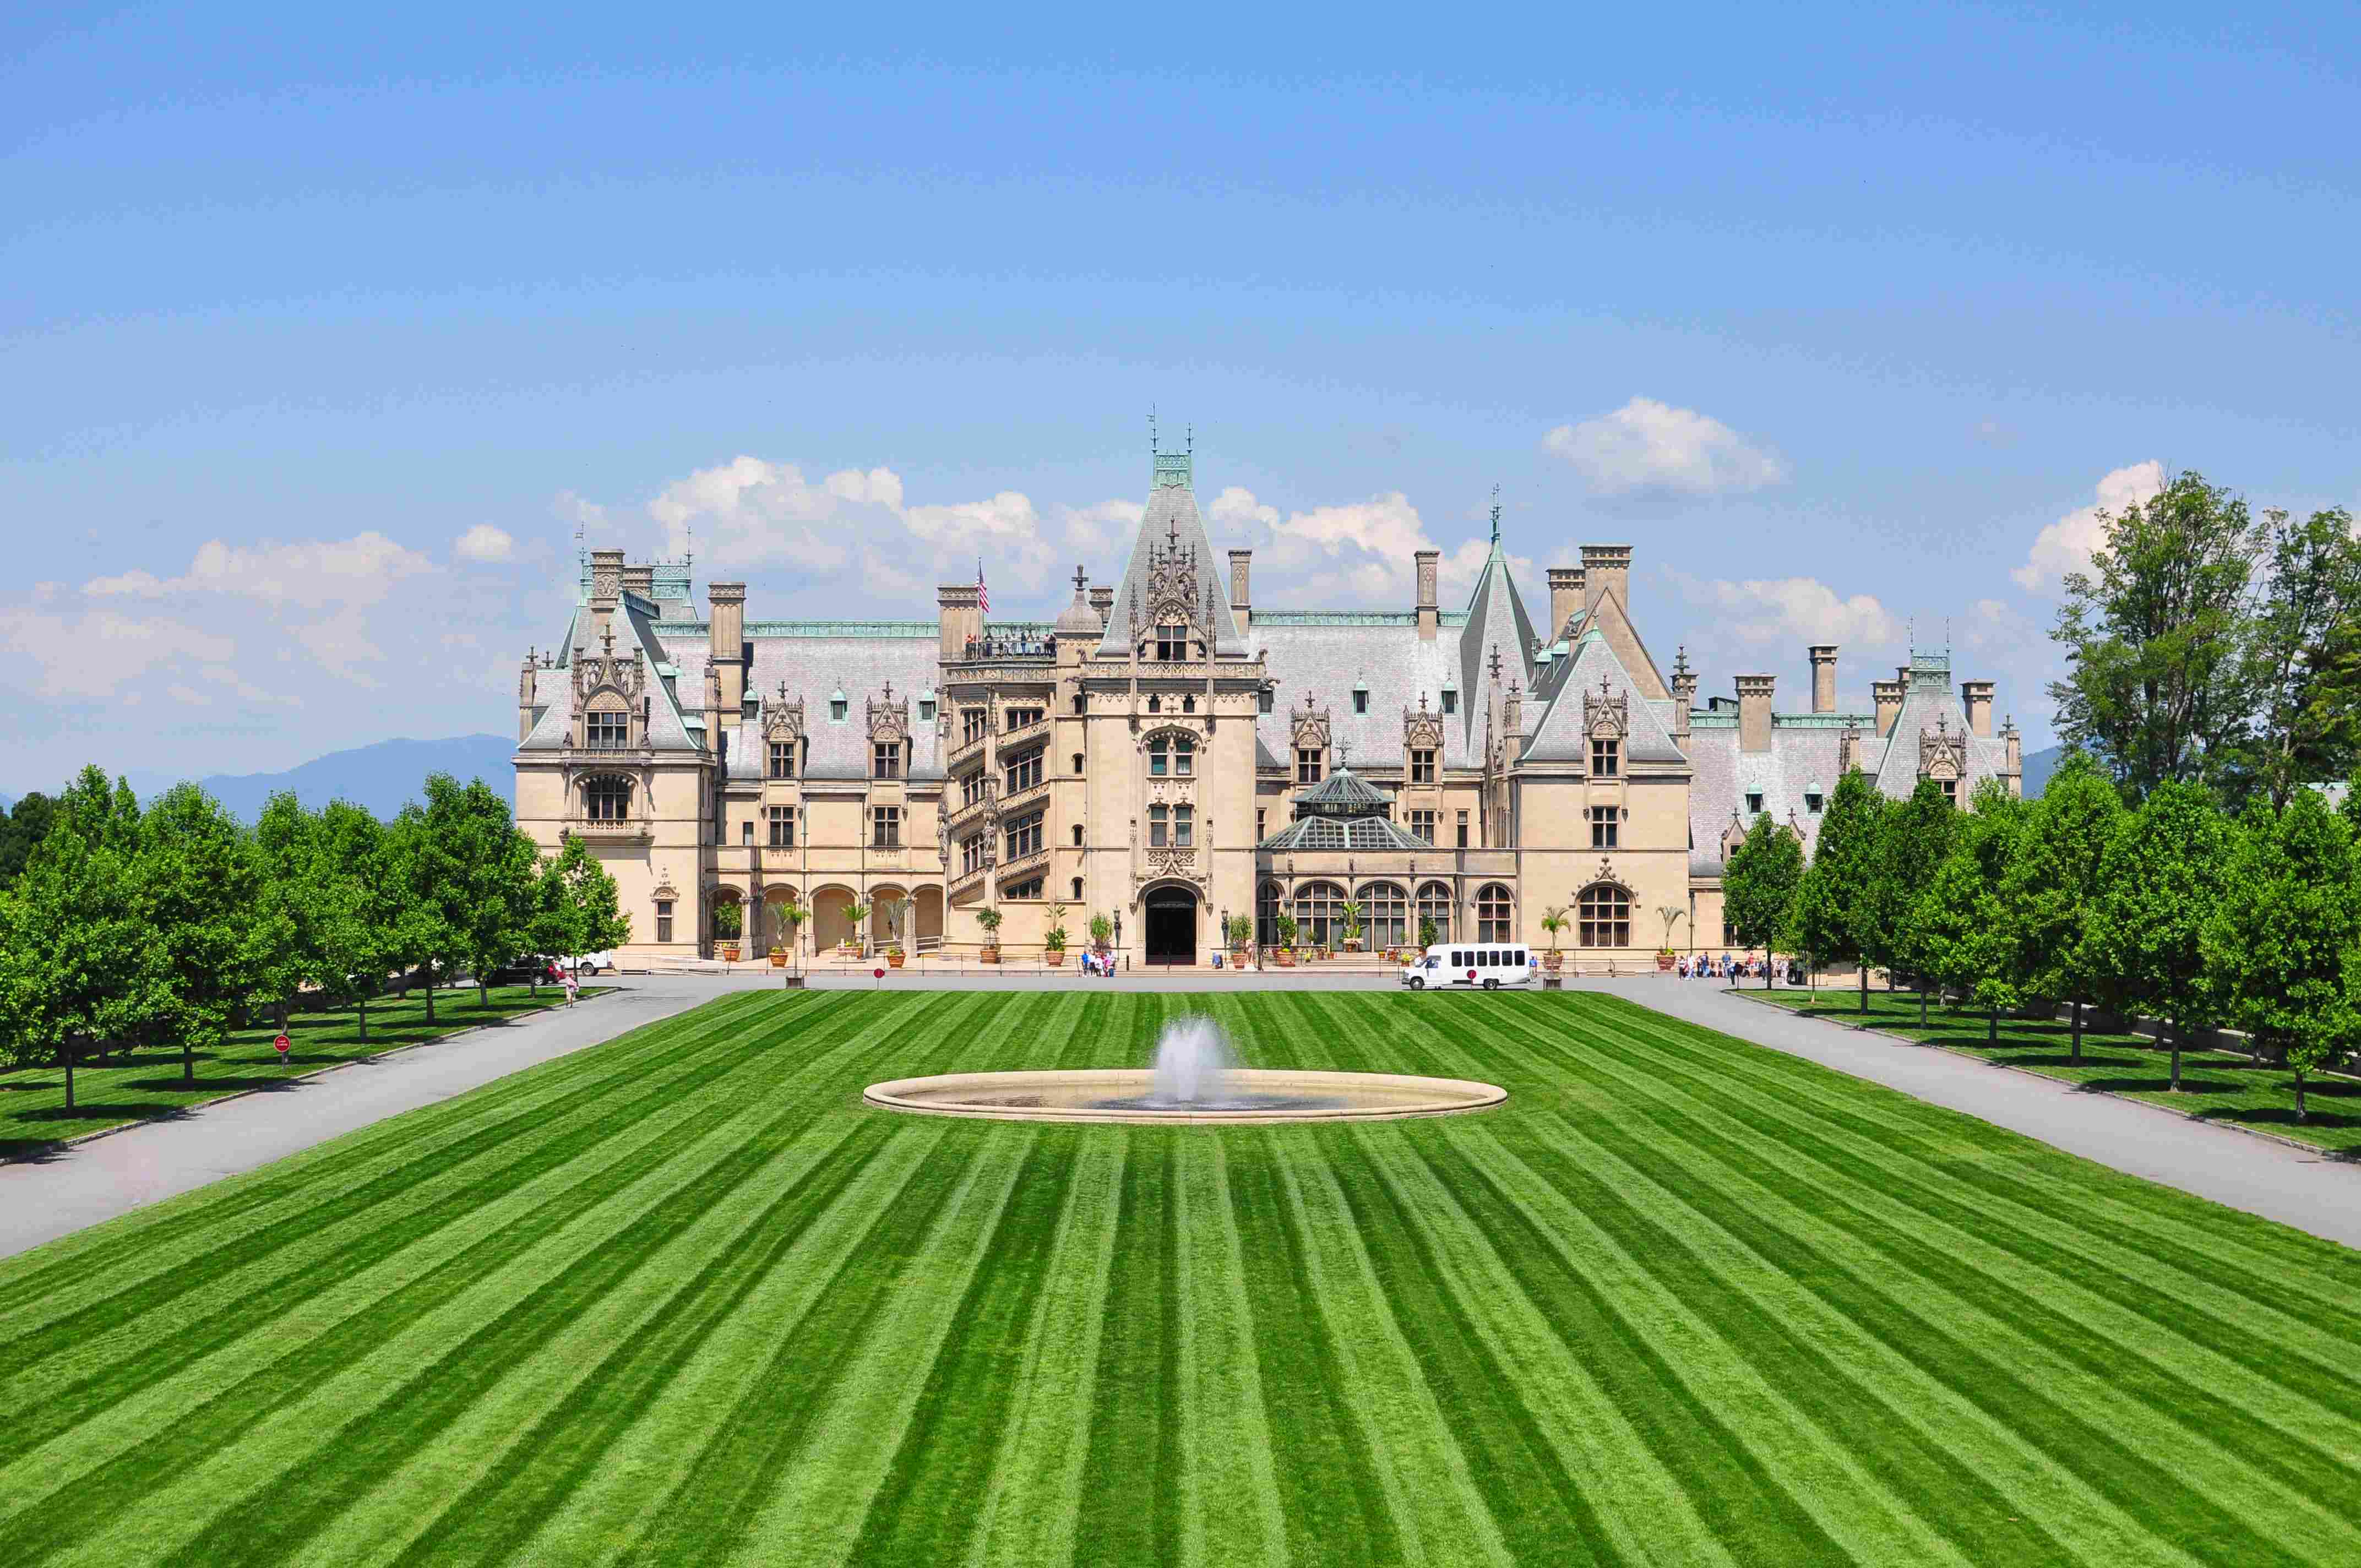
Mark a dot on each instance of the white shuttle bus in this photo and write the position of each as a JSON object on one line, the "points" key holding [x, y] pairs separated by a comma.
{"points": [[1489, 965]]}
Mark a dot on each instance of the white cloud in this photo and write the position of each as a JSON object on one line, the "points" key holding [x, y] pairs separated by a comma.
{"points": [[92, 655], [1792, 610], [1360, 550], [1646, 447], [311, 573], [484, 543], [2066, 545], [1101, 529]]}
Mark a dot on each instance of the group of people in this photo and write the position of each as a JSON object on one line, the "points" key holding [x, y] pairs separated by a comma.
{"points": [[1705, 966]]}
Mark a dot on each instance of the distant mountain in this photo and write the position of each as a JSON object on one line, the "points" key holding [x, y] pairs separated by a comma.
{"points": [[382, 777], [2038, 766]]}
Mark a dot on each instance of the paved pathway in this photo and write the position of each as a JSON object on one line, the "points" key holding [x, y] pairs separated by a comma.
{"points": [[144, 1164], [2291, 1186]]}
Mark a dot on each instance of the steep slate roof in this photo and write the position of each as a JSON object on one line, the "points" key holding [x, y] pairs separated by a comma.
{"points": [[1560, 734], [1931, 697], [1379, 653], [1496, 619], [817, 662], [1171, 522], [667, 726]]}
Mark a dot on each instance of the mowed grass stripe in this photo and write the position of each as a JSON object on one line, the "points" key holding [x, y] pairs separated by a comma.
{"points": [[1230, 1506], [172, 1336], [2190, 1354], [2112, 1465], [1131, 1476]]}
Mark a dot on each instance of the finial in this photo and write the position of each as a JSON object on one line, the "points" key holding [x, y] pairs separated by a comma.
{"points": [[1151, 430], [1081, 581], [1421, 702], [1496, 661], [607, 639], [783, 693], [1496, 514], [1344, 756], [889, 691]]}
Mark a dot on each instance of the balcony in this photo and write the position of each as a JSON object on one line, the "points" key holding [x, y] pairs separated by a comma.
{"points": [[966, 882], [611, 830], [1030, 796], [964, 752], [1010, 739], [1023, 865], [959, 819]]}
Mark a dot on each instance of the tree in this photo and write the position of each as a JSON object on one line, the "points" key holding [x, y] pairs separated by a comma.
{"points": [[1959, 919], [2303, 658], [199, 894], [1759, 885], [2285, 933], [2154, 634], [21, 832], [2160, 883], [72, 964], [285, 846], [1553, 922], [2053, 885], [362, 901], [1916, 839], [414, 930], [582, 910], [480, 875], [1828, 914]]}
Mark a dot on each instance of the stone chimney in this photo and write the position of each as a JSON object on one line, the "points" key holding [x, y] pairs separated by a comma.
{"points": [[606, 590], [1607, 570], [1889, 701], [1685, 688], [639, 580], [1429, 615], [1565, 598], [525, 691], [2013, 758], [726, 628], [1754, 712], [961, 606], [1102, 600], [1242, 587], [1824, 677], [1976, 698]]}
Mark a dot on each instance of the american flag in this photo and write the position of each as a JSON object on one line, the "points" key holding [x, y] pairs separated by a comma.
{"points": [[982, 594]]}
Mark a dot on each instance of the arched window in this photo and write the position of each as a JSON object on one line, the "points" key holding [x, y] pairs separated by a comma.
{"points": [[1078, 763], [1077, 835], [1602, 916], [608, 798], [1434, 904], [1155, 704], [1320, 913], [1494, 917], [1078, 890], [1168, 755], [1189, 703], [1266, 915], [1385, 914]]}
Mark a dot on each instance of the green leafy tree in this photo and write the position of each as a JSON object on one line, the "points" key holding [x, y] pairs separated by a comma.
{"points": [[289, 901], [2053, 885], [362, 899], [1962, 936], [586, 907], [21, 832], [1427, 934], [1832, 900], [2160, 883], [1102, 931], [2155, 635], [417, 936], [2303, 658], [73, 962], [482, 876], [2287, 933], [1758, 887], [1916, 840], [209, 941]]}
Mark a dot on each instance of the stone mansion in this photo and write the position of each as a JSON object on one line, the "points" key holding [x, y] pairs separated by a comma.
{"points": [[1168, 752]]}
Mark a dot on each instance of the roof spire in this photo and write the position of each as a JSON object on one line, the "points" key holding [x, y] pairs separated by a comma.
{"points": [[1496, 516]]}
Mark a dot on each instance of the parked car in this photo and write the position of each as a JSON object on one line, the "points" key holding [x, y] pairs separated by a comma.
{"points": [[591, 963], [529, 967]]}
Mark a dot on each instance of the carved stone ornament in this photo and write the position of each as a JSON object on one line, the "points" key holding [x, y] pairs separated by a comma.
{"points": [[607, 671], [665, 889], [1849, 753], [1607, 873], [1607, 713], [1310, 724], [1174, 598], [1421, 731], [1942, 751], [1170, 862], [889, 719], [783, 720]]}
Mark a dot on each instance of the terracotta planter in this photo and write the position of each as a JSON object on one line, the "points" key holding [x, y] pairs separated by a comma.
{"points": [[893, 960], [1351, 944], [990, 955], [778, 960], [1053, 956], [729, 952], [1665, 963], [1552, 962], [1238, 957], [1286, 959]]}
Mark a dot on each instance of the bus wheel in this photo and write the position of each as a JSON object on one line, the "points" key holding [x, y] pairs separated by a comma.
{"points": [[1491, 985], [1418, 983]]}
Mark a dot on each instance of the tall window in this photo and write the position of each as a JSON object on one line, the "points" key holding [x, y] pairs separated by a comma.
{"points": [[971, 788], [973, 722], [1606, 756], [1266, 915], [1160, 826], [1494, 921], [1450, 700], [1078, 890], [885, 760], [1263, 700], [1602, 916], [1422, 766], [746, 833], [783, 759], [1018, 718], [885, 827], [663, 919], [1603, 826], [1077, 835], [607, 799], [607, 732], [1184, 826], [1320, 912], [1434, 904], [1023, 838], [1360, 700], [1951, 794], [1463, 829], [1171, 643], [1025, 772], [1307, 764], [971, 854], [782, 827], [1262, 814], [1385, 914]]}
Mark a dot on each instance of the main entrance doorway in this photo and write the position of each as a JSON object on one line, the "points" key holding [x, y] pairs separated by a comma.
{"points": [[1171, 936]]}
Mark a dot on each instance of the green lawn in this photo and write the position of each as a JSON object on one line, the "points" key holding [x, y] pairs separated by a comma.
{"points": [[682, 1298], [145, 1085], [2216, 1085]]}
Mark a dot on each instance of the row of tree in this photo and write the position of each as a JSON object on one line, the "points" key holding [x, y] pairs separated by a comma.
{"points": [[2175, 909], [129, 924]]}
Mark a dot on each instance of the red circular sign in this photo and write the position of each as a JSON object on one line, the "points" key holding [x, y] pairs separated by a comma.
{"points": [[877, 974], [281, 1042]]}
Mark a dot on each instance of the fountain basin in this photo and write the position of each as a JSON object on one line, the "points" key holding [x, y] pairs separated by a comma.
{"points": [[1249, 1096]]}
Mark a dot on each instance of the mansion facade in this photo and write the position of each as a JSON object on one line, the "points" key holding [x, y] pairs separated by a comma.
{"points": [[1170, 754]]}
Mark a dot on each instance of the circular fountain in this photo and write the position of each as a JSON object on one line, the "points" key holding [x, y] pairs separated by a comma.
{"points": [[1196, 1079]]}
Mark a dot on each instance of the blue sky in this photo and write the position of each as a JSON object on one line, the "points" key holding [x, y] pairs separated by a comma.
{"points": [[322, 335]]}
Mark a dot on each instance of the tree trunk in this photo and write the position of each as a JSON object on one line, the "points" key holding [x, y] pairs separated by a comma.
{"points": [[1864, 987], [2077, 1053], [364, 1003], [2299, 1094], [2175, 1030], [1991, 1028], [188, 1058], [483, 992], [1922, 1003], [66, 1054]]}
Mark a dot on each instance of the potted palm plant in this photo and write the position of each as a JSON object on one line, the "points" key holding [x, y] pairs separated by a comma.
{"points": [[1102, 933], [1239, 929], [893, 909], [989, 918], [1553, 922], [1285, 924], [728, 922], [1352, 912], [1672, 915], [1427, 934], [857, 943], [1053, 940]]}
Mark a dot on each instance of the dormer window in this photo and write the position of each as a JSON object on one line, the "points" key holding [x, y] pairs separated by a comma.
{"points": [[1450, 700], [1171, 643], [838, 705], [885, 760], [1753, 803], [783, 759], [1360, 700], [1812, 801], [1606, 757], [1308, 759], [925, 710], [607, 731]]}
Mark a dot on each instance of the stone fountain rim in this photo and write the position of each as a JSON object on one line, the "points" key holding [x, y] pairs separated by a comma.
{"points": [[1442, 1096]]}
